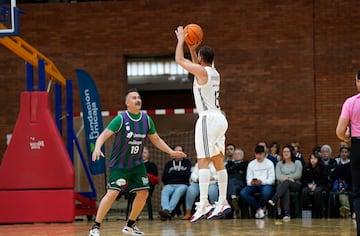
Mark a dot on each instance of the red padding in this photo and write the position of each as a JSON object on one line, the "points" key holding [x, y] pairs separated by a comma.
{"points": [[25, 206], [36, 157]]}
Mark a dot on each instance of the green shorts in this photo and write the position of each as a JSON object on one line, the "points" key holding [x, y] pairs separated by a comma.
{"points": [[135, 178]]}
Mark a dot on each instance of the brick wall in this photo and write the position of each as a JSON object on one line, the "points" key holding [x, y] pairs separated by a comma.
{"points": [[286, 66]]}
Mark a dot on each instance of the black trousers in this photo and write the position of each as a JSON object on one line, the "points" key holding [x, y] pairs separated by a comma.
{"points": [[283, 192], [355, 172]]}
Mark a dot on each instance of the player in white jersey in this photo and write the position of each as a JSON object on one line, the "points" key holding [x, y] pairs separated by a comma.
{"points": [[210, 127]]}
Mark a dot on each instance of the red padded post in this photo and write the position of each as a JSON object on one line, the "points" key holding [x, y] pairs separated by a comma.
{"points": [[36, 157], [28, 206], [37, 177]]}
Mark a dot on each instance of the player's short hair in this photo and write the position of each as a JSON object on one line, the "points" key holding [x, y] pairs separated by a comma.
{"points": [[131, 91], [207, 54]]}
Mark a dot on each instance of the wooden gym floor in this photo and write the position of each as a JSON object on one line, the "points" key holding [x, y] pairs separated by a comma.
{"points": [[177, 227]]}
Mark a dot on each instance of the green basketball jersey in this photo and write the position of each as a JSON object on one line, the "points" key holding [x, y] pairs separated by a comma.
{"points": [[131, 131]]}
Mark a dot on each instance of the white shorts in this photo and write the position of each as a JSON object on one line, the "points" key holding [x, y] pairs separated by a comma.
{"points": [[210, 132]]}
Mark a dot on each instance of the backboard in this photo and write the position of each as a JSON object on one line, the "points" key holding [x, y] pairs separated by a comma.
{"points": [[8, 18]]}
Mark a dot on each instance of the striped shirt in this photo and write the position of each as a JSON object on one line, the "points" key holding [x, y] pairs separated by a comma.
{"points": [[131, 131]]}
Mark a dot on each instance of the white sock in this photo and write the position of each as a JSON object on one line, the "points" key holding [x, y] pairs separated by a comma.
{"points": [[204, 181], [222, 182]]}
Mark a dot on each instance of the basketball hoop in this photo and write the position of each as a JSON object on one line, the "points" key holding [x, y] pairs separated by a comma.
{"points": [[9, 18], [4, 13]]}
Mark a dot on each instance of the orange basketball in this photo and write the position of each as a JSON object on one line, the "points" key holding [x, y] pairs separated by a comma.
{"points": [[193, 34]]}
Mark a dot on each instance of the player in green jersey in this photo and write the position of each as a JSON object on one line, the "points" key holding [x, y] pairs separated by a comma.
{"points": [[131, 128]]}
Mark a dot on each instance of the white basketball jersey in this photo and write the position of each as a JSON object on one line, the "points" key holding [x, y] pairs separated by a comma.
{"points": [[207, 95]]}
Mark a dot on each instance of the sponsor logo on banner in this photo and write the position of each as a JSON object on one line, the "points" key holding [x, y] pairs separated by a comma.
{"points": [[92, 117]]}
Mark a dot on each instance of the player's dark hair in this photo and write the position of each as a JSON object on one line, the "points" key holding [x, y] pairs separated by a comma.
{"points": [[207, 54], [358, 75], [130, 91]]}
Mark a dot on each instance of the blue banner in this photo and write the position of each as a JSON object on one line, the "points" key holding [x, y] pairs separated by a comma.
{"points": [[92, 117]]}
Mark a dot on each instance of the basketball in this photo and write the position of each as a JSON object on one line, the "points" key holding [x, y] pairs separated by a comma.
{"points": [[193, 34]]}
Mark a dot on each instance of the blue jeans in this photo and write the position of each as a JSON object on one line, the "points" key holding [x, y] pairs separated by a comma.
{"points": [[193, 192], [171, 194], [247, 193], [234, 187]]}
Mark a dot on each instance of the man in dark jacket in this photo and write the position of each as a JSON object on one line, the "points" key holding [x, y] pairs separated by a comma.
{"points": [[175, 177]]}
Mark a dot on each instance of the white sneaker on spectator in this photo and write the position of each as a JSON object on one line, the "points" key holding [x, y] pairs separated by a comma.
{"points": [[271, 202], [220, 210], [202, 209], [260, 214], [286, 218]]}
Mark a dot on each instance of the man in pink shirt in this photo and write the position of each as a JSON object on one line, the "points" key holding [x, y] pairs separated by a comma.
{"points": [[348, 129]]}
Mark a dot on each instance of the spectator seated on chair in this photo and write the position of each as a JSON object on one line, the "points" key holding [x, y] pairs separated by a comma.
{"points": [[341, 186], [175, 177], [152, 173], [315, 186], [236, 169], [274, 151], [260, 177], [151, 169], [267, 154], [327, 158], [288, 176]]}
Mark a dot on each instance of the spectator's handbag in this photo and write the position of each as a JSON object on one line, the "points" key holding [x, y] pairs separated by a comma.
{"points": [[340, 186]]}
